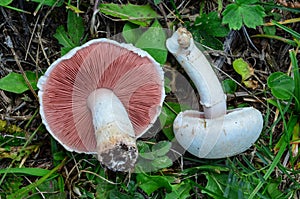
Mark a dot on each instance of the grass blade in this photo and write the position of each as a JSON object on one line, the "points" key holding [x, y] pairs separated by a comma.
{"points": [[24, 190], [292, 32], [287, 41], [288, 130], [27, 171], [296, 79]]}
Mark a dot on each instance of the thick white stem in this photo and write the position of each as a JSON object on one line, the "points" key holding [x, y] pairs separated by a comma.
{"points": [[114, 133], [196, 65]]}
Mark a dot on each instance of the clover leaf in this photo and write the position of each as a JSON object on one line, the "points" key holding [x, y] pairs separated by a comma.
{"points": [[282, 86]]}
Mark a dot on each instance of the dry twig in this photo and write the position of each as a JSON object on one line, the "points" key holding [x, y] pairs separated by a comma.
{"points": [[9, 43]]}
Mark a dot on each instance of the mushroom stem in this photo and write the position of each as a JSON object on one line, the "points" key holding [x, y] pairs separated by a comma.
{"points": [[116, 142], [213, 99]]}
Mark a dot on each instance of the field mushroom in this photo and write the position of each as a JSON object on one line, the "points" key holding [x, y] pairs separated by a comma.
{"points": [[216, 132], [99, 98]]}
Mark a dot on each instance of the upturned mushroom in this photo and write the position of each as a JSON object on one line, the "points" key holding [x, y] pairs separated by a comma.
{"points": [[216, 132], [99, 98]]}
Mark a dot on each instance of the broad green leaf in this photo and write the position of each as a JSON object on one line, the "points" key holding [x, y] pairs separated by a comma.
{"points": [[138, 14], [153, 41], [207, 28], [273, 190], [75, 27], [62, 36], [201, 36], [153, 160], [282, 86], [228, 186], [253, 16], [180, 191], [167, 117], [26, 171], [143, 147], [65, 50], [147, 155], [212, 24], [243, 68], [131, 32], [161, 148], [5, 2], [144, 151], [144, 165], [229, 86], [72, 37], [162, 162], [233, 17], [243, 12], [150, 183], [15, 83]]}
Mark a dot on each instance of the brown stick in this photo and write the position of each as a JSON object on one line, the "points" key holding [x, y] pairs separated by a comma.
{"points": [[9, 43]]}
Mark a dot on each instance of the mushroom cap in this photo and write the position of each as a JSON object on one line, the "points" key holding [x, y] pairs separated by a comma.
{"points": [[220, 137], [131, 73]]}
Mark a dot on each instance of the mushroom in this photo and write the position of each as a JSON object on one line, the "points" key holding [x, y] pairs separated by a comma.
{"points": [[216, 132], [99, 98]]}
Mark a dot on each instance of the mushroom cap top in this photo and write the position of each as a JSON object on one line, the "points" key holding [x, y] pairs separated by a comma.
{"points": [[131, 73]]}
